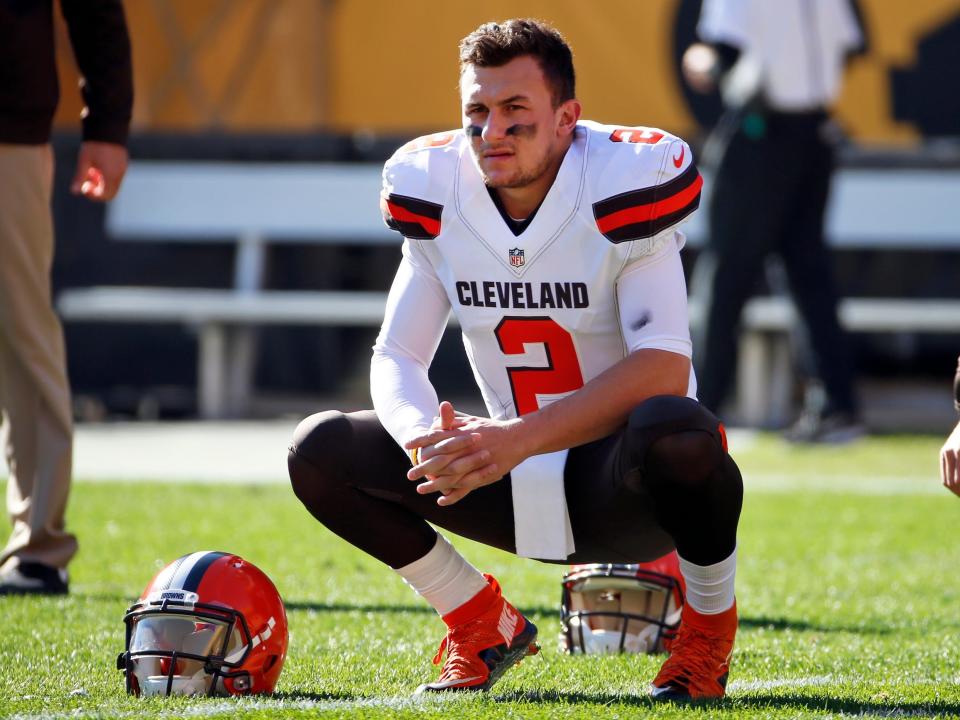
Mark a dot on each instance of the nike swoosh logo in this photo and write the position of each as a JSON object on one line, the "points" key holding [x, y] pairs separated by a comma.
{"points": [[678, 161]]}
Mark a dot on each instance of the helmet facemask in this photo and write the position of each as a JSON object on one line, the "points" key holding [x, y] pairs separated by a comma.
{"points": [[613, 608], [183, 647]]}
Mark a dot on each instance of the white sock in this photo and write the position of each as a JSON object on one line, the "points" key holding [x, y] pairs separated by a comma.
{"points": [[710, 587], [443, 577]]}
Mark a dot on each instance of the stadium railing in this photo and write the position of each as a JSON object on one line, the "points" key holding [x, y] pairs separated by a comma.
{"points": [[254, 205]]}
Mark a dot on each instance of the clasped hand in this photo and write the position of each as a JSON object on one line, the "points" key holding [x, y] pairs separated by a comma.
{"points": [[461, 453]]}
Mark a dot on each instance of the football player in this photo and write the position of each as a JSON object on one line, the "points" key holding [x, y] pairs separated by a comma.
{"points": [[555, 241]]}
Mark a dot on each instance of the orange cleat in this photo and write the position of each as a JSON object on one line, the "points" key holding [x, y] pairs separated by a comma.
{"points": [[699, 659], [486, 636]]}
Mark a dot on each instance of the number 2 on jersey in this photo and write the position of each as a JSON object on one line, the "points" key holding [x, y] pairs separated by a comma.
{"points": [[561, 374]]}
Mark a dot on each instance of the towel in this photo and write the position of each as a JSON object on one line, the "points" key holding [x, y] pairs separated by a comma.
{"points": [[540, 517]]}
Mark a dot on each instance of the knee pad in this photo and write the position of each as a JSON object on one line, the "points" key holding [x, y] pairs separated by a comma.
{"points": [[676, 437]]}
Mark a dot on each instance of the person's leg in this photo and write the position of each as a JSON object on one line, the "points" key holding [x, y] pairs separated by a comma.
{"points": [[351, 476], [34, 391], [667, 478], [664, 480], [727, 270], [809, 265]]}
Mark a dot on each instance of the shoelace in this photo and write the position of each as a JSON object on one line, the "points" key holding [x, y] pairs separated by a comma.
{"points": [[699, 657], [457, 664]]}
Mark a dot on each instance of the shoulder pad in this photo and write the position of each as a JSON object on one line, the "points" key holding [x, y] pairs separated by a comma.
{"points": [[416, 182], [643, 180]]}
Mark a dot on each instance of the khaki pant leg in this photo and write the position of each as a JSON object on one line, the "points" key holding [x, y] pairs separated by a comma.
{"points": [[34, 391]]}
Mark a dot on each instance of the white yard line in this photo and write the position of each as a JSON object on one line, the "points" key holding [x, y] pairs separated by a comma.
{"points": [[406, 702], [231, 707]]}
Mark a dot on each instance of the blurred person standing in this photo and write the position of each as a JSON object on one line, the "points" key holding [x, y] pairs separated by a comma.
{"points": [[34, 390], [779, 67], [950, 452]]}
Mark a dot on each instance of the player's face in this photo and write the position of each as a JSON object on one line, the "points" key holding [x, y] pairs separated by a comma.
{"points": [[517, 133]]}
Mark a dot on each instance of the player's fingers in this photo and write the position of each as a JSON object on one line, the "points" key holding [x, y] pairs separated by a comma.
{"points": [[446, 415], [481, 476], [431, 486], [434, 462], [430, 437], [443, 484], [450, 446], [468, 463], [453, 496], [953, 471], [433, 466]]}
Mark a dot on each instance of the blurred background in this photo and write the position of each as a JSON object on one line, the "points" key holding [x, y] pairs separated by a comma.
{"points": [[316, 94]]}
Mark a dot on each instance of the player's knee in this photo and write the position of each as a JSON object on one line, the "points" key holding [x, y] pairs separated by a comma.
{"points": [[319, 445], [689, 457], [675, 439]]}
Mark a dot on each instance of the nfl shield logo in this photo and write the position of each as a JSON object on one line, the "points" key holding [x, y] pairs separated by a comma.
{"points": [[516, 257]]}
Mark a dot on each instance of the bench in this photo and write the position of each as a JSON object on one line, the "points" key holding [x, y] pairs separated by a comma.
{"points": [[222, 319], [764, 374], [252, 206], [255, 205]]}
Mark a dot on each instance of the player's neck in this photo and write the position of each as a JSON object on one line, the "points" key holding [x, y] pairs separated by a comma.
{"points": [[520, 202]]}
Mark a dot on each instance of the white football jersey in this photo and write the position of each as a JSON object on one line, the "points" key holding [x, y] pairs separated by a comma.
{"points": [[595, 275]]}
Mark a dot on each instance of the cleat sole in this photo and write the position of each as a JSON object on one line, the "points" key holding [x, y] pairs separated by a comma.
{"points": [[523, 645]]}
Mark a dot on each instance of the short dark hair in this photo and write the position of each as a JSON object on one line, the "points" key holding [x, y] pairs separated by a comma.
{"points": [[495, 44]]}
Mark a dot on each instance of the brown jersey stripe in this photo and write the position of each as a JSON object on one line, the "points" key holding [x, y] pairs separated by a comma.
{"points": [[646, 196], [416, 206], [651, 211], [413, 218], [649, 228]]}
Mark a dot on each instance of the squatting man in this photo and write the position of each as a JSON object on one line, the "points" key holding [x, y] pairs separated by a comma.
{"points": [[555, 241]]}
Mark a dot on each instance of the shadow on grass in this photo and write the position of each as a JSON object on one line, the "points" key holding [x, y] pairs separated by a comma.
{"points": [[782, 623], [771, 623], [399, 609], [795, 701], [849, 706]]}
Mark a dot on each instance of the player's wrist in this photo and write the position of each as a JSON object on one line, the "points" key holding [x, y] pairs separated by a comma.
{"points": [[526, 435]]}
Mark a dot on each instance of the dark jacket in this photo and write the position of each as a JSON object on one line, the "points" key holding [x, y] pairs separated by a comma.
{"points": [[29, 90]]}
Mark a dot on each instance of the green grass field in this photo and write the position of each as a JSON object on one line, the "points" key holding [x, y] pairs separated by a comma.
{"points": [[848, 588]]}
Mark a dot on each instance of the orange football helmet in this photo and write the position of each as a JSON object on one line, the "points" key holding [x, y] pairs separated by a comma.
{"points": [[616, 607], [209, 623]]}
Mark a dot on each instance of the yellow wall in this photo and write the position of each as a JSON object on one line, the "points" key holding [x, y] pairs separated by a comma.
{"points": [[396, 63], [391, 65]]}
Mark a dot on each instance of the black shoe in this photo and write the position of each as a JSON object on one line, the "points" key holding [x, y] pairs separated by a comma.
{"points": [[33, 578], [836, 428]]}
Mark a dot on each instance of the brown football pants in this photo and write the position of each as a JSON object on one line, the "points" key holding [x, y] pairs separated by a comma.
{"points": [[34, 391]]}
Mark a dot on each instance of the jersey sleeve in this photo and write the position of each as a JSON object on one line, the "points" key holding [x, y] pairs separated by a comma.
{"points": [[411, 199], [415, 185], [413, 324], [652, 301], [648, 193]]}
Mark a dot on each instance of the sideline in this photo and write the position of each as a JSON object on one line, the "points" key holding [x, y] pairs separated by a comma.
{"points": [[233, 452]]}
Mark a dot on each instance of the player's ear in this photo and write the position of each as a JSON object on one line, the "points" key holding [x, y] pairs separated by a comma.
{"points": [[568, 114]]}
